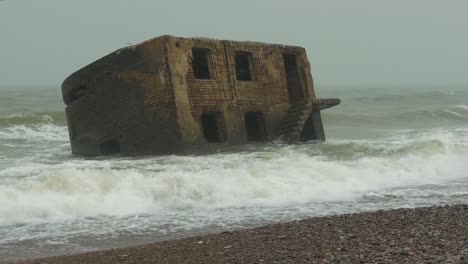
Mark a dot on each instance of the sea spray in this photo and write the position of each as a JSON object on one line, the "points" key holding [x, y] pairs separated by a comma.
{"points": [[385, 149], [279, 176]]}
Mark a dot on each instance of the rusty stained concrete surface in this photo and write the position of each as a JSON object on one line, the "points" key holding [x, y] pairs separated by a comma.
{"points": [[145, 99]]}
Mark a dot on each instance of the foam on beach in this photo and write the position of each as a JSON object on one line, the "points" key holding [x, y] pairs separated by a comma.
{"points": [[386, 155]]}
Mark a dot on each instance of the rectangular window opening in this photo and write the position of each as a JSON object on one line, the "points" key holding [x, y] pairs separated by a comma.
{"points": [[201, 63], [293, 79], [255, 126], [243, 62], [213, 129]]}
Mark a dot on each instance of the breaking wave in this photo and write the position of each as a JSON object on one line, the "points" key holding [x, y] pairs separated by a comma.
{"points": [[49, 132], [384, 151], [33, 127], [32, 118], [276, 176], [439, 114]]}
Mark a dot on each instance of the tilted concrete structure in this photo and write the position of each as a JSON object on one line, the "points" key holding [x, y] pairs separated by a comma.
{"points": [[172, 95]]}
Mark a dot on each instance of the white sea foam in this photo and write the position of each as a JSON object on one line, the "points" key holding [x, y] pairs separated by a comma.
{"points": [[402, 157], [464, 107], [285, 177], [16, 115], [458, 111], [30, 118], [44, 131], [455, 113]]}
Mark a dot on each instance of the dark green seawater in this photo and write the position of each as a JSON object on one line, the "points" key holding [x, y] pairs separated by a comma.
{"points": [[388, 147]]}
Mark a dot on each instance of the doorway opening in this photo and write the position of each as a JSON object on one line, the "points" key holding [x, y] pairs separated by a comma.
{"points": [[110, 147], [213, 129], [255, 126], [201, 63], [295, 91]]}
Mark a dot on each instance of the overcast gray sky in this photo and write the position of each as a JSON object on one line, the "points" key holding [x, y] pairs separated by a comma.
{"points": [[348, 42]]}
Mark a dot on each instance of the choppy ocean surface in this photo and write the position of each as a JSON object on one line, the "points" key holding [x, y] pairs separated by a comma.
{"points": [[388, 147]]}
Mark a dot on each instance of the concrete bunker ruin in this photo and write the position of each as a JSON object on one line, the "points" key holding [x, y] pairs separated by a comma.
{"points": [[173, 94]]}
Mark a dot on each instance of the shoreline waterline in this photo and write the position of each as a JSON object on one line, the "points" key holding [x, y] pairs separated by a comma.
{"points": [[385, 149], [437, 233]]}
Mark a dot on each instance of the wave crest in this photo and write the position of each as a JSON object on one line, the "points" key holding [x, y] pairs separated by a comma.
{"points": [[33, 127], [453, 114], [39, 132], [278, 176], [32, 119]]}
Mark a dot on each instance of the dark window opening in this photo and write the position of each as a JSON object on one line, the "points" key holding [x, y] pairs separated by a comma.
{"points": [[201, 63], [212, 127], [255, 126], [243, 62], [110, 147], [293, 79]]}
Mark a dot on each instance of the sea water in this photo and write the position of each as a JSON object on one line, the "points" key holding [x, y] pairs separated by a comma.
{"points": [[388, 147]]}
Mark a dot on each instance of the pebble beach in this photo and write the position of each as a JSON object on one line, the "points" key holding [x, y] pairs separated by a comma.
{"points": [[421, 235]]}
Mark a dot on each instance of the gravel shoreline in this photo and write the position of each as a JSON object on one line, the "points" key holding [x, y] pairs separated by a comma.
{"points": [[421, 235]]}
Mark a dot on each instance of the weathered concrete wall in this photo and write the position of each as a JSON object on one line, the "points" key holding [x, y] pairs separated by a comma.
{"points": [[266, 93], [123, 98], [177, 51]]}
